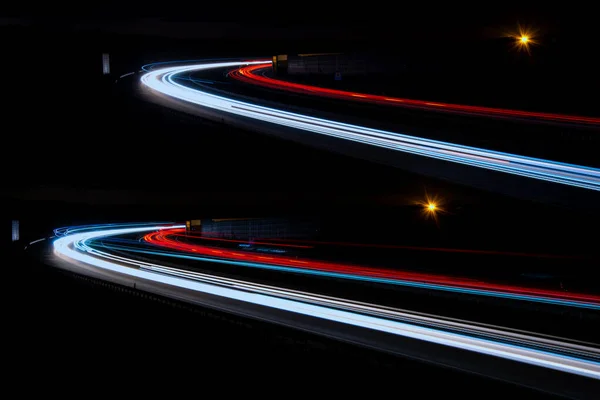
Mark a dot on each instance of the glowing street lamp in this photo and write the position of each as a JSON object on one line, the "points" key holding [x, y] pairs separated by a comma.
{"points": [[431, 207], [524, 39]]}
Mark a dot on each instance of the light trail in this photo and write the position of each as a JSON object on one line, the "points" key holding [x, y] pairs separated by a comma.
{"points": [[249, 74], [382, 275], [76, 247], [550, 353], [164, 80]]}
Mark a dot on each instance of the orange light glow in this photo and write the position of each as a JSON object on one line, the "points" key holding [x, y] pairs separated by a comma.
{"points": [[432, 207], [524, 39]]}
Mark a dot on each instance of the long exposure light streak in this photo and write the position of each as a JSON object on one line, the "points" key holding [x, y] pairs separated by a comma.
{"points": [[218, 258], [167, 239], [75, 247], [164, 80], [250, 74]]}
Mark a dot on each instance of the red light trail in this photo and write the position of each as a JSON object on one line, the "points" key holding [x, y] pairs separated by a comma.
{"points": [[248, 74], [165, 239]]}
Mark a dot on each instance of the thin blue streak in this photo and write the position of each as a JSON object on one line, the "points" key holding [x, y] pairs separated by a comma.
{"points": [[370, 279]]}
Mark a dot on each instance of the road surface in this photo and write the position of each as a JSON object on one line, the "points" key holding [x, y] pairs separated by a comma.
{"points": [[569, 367], [430, 157]]}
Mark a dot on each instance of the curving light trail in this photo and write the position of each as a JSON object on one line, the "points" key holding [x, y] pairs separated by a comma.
{"points": [[168, 239], [249, 74], [164, 80], [517, 346]]}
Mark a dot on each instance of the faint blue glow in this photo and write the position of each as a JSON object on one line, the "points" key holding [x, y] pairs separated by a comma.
{"points": [[73, 229], [105, 63], [267, 250], [15, 230], [149, 67]]}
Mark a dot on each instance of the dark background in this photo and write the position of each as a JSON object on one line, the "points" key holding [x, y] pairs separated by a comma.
{"points": [[72, 136], [77, 148], [61, 107]]}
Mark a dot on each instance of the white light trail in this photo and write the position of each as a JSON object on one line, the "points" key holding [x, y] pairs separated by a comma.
{"points": [[163, 81], [74, 247]]}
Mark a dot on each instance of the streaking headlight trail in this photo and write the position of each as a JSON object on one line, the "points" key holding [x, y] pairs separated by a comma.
{"points": [[163, 80], [556, 355]]}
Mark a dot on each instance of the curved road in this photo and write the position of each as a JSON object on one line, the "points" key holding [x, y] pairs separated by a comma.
{"points": [[164, 81], [169, 239], [479, 348], [254, 74]]}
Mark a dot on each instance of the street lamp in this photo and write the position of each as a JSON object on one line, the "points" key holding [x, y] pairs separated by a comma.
{"points": [[524, 38], [431, 207]]}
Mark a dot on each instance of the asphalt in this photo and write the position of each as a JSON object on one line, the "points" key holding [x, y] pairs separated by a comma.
{"points": [[70, 325], [562, 142], [547, 319], [69, 335], [482, 179]]}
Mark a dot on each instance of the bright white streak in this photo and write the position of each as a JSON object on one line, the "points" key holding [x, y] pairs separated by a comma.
{"points": [[67, 247], [162, 80]]}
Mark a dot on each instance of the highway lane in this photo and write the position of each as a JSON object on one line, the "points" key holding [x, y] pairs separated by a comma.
{"points": [[563, 141], [336, 317], [254, 74], [170, 239], [164, 80], [418, 289]]}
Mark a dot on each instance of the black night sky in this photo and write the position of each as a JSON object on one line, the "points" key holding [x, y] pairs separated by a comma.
{"points": [[64, 48], [83, 147]]}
